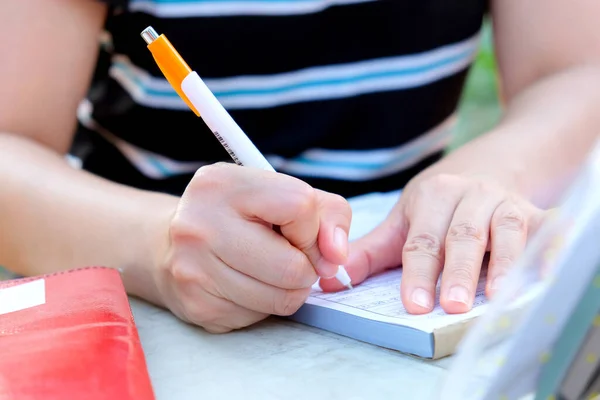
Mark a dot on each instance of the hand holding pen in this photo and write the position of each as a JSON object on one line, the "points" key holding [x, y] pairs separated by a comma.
{"points": [[226, 267]]}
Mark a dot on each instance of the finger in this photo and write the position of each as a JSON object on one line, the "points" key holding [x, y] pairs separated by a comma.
{"points": [[309, 219], [268, 197], [214, 314], [423, 252], [508, 238], [375, 252], [465, 247], [293, 206], [335, 216], [252, 294], [259, 252], [229, 316]]}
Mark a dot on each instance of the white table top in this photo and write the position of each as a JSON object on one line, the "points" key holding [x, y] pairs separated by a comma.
{"points": [[275, 359]]}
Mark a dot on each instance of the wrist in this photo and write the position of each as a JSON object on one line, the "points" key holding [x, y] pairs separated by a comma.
{"points": [[140, 277]]}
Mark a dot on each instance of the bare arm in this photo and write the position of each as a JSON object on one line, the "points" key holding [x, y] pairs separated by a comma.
{"points": [[210, 257], [549, 59], [53, 217]]}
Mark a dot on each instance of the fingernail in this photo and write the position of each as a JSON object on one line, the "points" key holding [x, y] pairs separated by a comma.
{"points": [[340, 239], [421, 298], [459, 294]]}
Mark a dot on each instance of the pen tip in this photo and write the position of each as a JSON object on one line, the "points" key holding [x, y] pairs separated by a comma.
{"points": [[343, 277], [149, 35]]}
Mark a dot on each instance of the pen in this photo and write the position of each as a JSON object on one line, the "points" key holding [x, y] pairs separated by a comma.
{"points": [[190, 87]]}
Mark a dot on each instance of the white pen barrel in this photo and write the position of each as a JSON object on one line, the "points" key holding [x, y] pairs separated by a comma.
{"points": [[231, 136]]}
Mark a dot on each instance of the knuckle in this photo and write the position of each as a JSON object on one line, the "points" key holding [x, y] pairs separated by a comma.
{"points": [[466, 231], [290, 302], [424, 244], [509, 217], [187, 278], [427, 187], [442, 181], [206, 172], [292, 272], [305, 201], [181, 227], [179, 272], [183, 230], [215, 168], [188, 282], [211, 175], [462, 273], [437, 185], [484, 186], [503, 260], [340, 203]]}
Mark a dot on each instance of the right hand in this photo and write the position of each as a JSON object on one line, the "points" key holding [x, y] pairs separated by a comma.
{"points": [[226, 268]]}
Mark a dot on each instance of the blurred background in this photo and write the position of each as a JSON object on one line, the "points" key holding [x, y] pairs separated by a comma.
{"points": [[479, 108]]}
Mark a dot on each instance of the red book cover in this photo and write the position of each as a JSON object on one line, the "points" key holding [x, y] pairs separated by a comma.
{"points": [[70, 335]]}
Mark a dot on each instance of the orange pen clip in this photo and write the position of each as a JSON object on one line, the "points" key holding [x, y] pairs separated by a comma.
{"points": [[172, 65]]}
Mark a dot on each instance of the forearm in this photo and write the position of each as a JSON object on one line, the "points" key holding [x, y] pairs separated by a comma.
{"points": [[54, 217], [544, 136]]}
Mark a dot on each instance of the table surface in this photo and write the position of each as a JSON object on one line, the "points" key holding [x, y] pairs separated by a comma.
{"points": [[276, 359]]}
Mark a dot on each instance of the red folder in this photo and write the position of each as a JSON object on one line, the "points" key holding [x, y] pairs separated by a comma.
{"points": [[81, 343]]}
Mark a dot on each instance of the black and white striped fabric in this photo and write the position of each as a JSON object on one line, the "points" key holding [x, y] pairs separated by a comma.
{"points": [[352, 96]]}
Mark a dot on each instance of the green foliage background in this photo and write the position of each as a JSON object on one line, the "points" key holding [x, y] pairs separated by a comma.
{"points": [[479, 109]]}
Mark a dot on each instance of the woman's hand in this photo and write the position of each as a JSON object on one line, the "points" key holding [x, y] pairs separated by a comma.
{"points": [[443, 225], [226, 267]]}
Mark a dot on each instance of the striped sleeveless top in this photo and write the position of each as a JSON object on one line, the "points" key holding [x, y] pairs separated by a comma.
{"points": [[351, 96]]}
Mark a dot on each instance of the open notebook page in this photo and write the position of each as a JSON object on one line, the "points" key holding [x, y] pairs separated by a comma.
{"points": [[378, 298]]}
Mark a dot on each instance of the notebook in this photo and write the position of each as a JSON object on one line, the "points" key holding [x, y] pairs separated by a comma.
{"points": [[70, 335], [372, 312]]}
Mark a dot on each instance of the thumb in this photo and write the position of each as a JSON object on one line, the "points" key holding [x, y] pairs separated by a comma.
{"points": [[375, 252]]}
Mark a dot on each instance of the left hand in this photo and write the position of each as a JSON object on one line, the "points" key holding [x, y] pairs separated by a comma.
{"points": [[445, 223]]}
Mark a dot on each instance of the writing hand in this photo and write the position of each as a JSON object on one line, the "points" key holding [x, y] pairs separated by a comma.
{"points": [[226, 267]]}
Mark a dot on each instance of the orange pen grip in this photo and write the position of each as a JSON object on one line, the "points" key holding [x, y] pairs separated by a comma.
{"points": [[172, 65]]}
